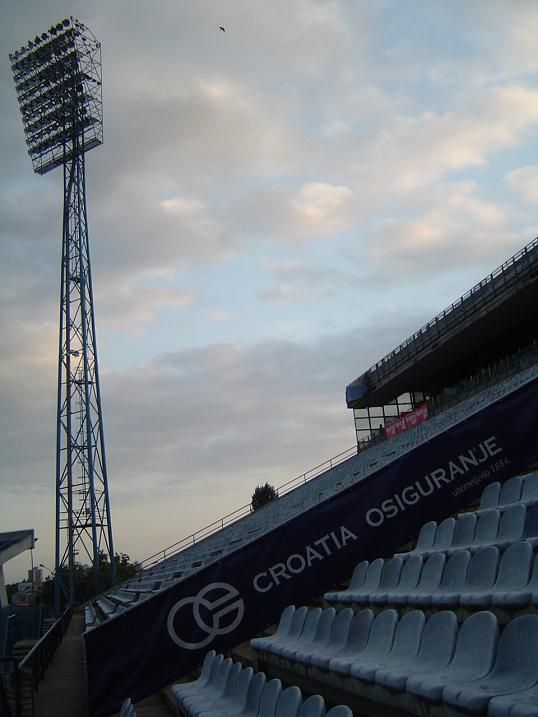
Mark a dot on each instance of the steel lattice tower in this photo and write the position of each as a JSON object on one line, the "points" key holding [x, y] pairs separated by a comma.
{"points": [[58, 81]]}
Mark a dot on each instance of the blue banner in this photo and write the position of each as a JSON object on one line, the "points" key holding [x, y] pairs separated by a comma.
{"points": [[163, 638]]}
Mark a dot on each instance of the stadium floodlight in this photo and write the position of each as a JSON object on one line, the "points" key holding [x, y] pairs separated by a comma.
{"points": [[58, 82]]}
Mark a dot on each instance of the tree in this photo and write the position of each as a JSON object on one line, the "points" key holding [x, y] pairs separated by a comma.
{"points": [[262, 495]]}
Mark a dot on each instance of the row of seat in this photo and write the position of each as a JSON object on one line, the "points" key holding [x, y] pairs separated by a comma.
{"points": [[409, 659], [517, 489], [226, 689], [488, 577], [495, 526]]}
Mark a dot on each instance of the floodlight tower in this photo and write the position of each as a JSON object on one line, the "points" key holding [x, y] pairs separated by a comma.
{"points": [[58, 81]]}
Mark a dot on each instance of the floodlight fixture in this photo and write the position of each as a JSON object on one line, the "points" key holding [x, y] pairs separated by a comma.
{"points": [[58, 83]]}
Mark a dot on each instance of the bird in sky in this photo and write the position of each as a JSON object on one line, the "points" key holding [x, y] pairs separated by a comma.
{"points": [[221, 28]]}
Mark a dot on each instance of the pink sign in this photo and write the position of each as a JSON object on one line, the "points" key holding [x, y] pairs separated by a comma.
{"points": [[407, 421]]}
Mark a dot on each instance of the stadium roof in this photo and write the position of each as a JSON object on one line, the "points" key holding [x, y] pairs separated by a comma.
{"points": [[494, 318]]}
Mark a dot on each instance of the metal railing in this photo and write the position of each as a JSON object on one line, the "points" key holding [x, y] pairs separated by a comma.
{"points": [[19, 679], [245, 510], [498, 283]]}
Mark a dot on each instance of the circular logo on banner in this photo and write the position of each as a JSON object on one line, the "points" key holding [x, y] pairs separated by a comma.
{"points": [[218, 616]]}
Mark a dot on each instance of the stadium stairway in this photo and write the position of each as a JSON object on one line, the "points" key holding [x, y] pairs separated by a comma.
{"points": [[235, 583]]}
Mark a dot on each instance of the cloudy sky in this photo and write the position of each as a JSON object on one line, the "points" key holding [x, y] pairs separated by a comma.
{"points": [[274, 208]]}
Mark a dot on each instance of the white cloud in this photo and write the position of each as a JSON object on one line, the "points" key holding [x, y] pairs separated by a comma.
{"points": [[324, 209], [524, 182]]}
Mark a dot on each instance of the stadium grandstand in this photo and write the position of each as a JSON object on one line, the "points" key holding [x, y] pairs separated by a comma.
{"points": [[399, 578]]}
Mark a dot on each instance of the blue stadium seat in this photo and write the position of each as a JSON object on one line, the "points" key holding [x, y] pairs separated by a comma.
{"points": [[233, 702], [430, 578], [407, 637], [357, 639], [269, 698], [520, 598], [490, 496], [379, 642], [182, 690], [127, 709], [464, 532], [390, 574], [313, 706], [511, 525], [516, 704], [283, 628], [289, 703], [321, 638], [435, 652], [514, 571], [511, 491], [371, 581], [275, 642], [337, 640], [481, 575], [487, 528], [453, 579], [512, 672], [474, 656], [307, 636], [409, 578], [530, 488], [444, 536], [356, 583]]}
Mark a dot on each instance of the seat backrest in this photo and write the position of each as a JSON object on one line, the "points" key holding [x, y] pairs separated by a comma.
{"points": [[373, 575], [241, 686], [206, 667], [519, 640], [254, 692], [482, 570], [408, 634], [222, 676], [511, 491], [231, 680], [359, 574], [432, 572], [340, 629], [325, 622], [297, 622], [426, 536], [340, 711], [487, 527], [310, 625], [359, 631], [285, 620], [464, 530], [455, 571], [391, 573], [382, 633], [530, 488], [476, 645], [515, 567], [313, 706], [444, 534], [269, 698], [215, 669], [438, 640], [289, 703], [410, 573], [512, 523], [533, 582], [490, 496]]}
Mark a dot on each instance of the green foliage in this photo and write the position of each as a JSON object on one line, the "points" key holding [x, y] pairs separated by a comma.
{"points": [[85, 588], [262, 495]]}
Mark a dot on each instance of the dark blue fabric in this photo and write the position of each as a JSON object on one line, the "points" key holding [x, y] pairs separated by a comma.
{"points": [[135, 654]]}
